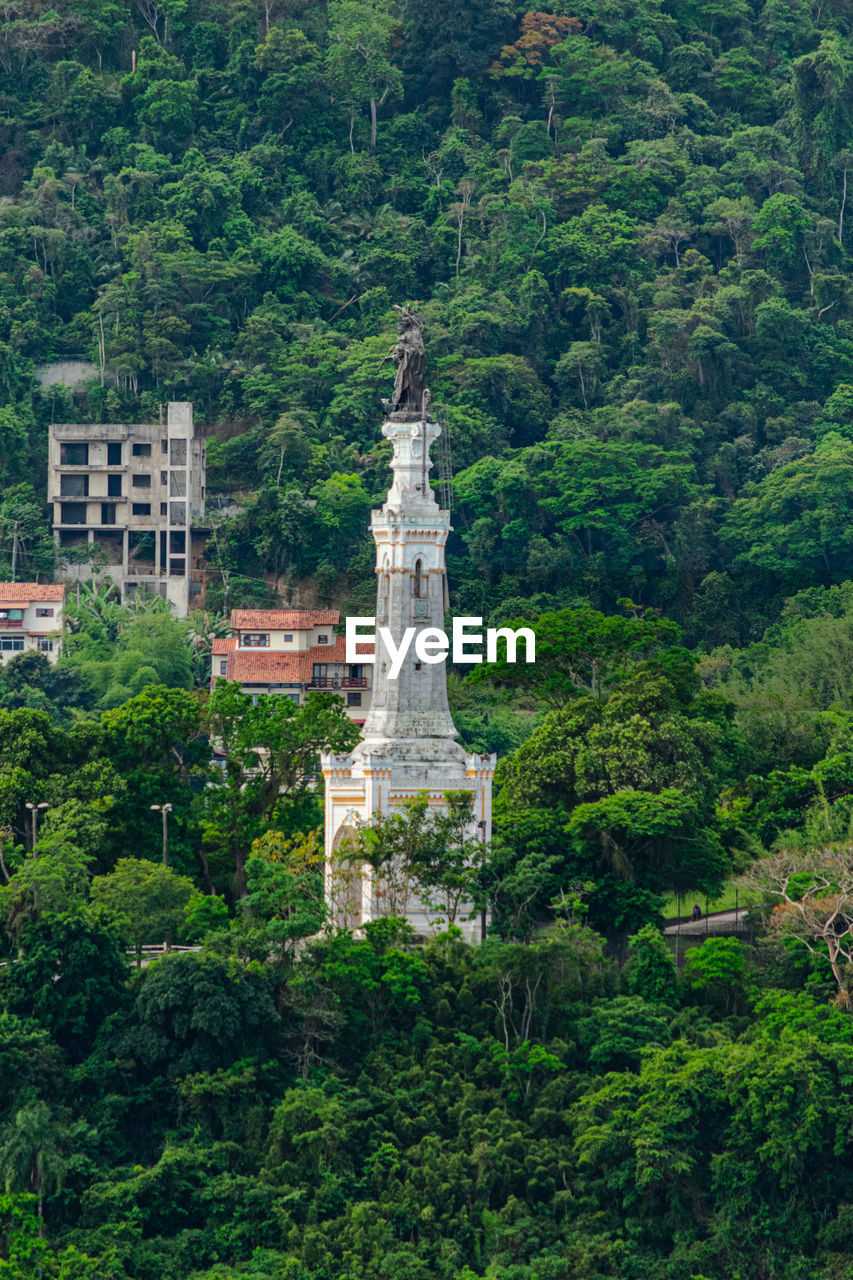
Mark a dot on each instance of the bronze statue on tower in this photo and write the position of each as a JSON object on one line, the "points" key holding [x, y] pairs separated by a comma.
{"points": [[408, 353]]}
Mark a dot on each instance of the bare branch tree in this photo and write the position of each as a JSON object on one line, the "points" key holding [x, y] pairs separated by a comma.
{"points": [[815, 891]]}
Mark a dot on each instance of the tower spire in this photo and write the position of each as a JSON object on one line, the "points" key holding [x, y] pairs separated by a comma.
{"points": [[408, 745], [410, 532]]}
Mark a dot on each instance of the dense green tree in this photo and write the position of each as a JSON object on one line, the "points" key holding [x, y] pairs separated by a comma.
{"points": [[579, 651], [143, 901], [284, 900], [270, 749], [197, 1013], [651, 968], [70, 974]]}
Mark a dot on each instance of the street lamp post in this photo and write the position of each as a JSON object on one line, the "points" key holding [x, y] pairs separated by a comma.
{"points": [[165, 810], [35, 809]]}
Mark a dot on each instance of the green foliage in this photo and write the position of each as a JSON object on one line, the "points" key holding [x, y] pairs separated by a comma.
{"points": [[579, 651], [271, 749], [69, 974], [626, 232], [143, 901], [29, 680], [619, 790], [716, 970], [196, 1013], [651, 968], [284, 902], [148, 651]]}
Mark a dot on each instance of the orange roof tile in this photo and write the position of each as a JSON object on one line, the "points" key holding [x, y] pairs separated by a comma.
{"points": [[248, 666], [30, 591], [253, 666], [283, 619], [223, 644]]}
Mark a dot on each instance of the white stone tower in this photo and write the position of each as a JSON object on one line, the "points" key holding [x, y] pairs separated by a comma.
{"points": [[408, 745]]}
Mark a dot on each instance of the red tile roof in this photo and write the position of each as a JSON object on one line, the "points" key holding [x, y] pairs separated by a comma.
{"points": [[30, 591], [283, 619], [223, 644], [248, 666]]}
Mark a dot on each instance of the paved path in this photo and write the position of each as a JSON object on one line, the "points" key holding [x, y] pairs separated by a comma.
{"points": [[720, 922]]}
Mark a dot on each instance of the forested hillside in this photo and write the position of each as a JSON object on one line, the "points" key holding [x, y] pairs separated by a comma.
{"points": [[625, 225]]}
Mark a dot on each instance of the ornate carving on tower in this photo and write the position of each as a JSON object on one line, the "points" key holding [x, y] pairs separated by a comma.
{"points": [[408, 745]]}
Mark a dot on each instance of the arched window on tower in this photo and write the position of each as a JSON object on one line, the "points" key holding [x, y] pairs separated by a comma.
{"points": [[417, 581]]}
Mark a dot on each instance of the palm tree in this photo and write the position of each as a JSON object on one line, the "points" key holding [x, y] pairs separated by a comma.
{"points": [[203, 627], [143, 602], [30, 1154], [97, 606]]}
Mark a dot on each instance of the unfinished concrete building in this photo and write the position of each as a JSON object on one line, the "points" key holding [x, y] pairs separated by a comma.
{"points": [[131, 499]]}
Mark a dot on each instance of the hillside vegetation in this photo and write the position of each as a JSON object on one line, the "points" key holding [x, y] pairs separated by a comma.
{"points": [[624, 224], [626, 228]]}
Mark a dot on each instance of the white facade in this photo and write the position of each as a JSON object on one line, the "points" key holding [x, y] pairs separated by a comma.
{"points": [[136, 495], [31, 619], [408, 746]]}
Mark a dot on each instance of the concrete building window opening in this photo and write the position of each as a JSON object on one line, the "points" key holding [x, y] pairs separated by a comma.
{"points": [[178, 513], [74, 455], [177, 568], [177, 484], [113, 486], [178, 453], [74, 486], [73, 513], [164, 509], [141, 450], [417, 581], [140, 481], [164, 446], [114, 454], [140, 544], [72, 538], [140, 508], [108, 513]]}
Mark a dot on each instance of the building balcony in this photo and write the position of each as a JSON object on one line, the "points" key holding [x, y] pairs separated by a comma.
{"points": [[337, 682]]}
